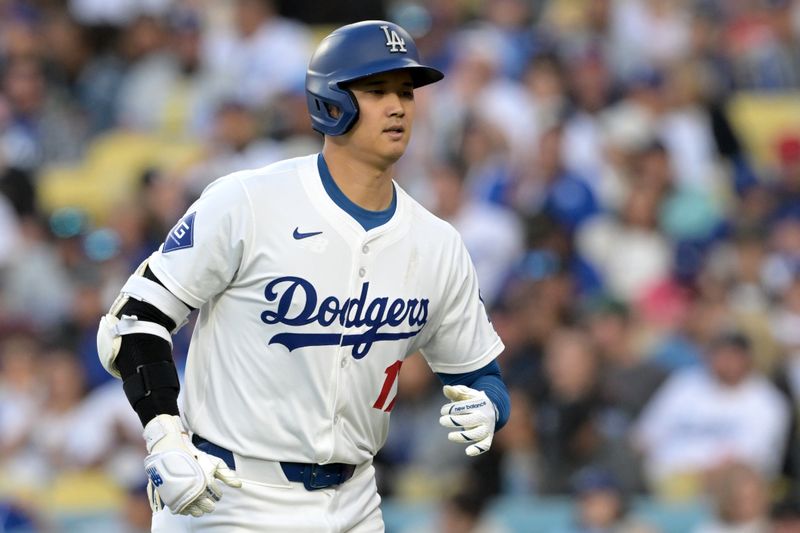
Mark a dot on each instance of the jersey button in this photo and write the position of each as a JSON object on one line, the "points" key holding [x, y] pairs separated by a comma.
{"points": [[336, 419], [362, 272], [344, 362], [365, 249]]}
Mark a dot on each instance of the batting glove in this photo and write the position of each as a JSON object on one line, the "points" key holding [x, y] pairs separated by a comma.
{"points": [[473, 414], [181, 476]]}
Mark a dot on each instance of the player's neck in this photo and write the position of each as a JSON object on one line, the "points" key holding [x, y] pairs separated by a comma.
{"points": [[366, 184]]}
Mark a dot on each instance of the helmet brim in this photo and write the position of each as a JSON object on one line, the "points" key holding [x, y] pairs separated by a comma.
{"points": [[421, 75]]}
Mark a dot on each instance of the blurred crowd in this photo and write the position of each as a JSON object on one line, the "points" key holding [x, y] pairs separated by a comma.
{"points": [[635, 229]]}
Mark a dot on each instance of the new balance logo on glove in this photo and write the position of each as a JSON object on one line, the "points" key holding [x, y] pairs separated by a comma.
{"points": [[154, 476]]}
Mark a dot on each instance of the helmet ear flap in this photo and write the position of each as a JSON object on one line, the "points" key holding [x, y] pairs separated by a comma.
{"points": [[324, 120]]}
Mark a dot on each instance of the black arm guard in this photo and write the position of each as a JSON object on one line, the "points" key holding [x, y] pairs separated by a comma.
{"points": [[149, 376]]}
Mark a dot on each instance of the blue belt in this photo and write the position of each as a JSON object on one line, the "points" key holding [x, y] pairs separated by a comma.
{"points": [[312, 476]]}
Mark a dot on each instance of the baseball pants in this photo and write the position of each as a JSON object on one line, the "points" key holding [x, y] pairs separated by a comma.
{"points": [[274, 504]]}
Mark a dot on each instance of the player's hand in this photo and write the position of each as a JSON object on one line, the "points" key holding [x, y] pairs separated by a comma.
{"points": [[184, 478], [473, 414]]}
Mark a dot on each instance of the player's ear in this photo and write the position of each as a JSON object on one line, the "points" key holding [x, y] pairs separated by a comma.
{"points": [[333, 110]]}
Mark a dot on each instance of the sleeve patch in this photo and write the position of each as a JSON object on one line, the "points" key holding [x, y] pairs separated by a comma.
{"points": [[181, 236]]}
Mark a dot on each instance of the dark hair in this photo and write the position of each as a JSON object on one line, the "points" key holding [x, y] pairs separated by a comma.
{"points": [[730, 339], [786, 509]]}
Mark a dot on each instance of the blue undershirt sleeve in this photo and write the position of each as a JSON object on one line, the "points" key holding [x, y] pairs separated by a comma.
{"points": [[488, 380]]}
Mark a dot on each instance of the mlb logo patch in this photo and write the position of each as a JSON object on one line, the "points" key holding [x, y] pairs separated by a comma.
{"points": [[181, 236]]}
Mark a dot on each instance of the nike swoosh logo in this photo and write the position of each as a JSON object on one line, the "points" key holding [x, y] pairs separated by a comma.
{"points": [[297, 235]]}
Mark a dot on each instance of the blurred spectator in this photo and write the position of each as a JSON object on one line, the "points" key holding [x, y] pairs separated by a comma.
{"points": [[477, 104], [464, 512], [36, 287], [701, 419], [686, 128], [484, 151], [39, 128], [79, 331], [544, 80], [522, 323], [20, 394], [491, 233], [738, 265], [19, 22], [627, 380], [547, 187], [741, 501], [568, 416], [786, 329], [117, 13], [84, 63], [513, 466], [602, 505], [170, 92], [263, 56], [591, 87], [511, 19], [737, 269], [107, 435], [9, 231], [287, 123], [764, 46], [15, 518], [629, 128], [649, 32], [39, 455], [707, 42], [237, 144], [627, 248]]}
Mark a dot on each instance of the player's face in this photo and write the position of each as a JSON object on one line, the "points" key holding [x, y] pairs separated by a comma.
{"points": [[386, 112]]}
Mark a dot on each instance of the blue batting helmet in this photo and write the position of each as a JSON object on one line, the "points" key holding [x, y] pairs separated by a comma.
{"points": [[352, 52]]}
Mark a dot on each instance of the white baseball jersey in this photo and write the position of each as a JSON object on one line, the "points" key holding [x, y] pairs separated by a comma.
{"points": [[305, 317]]}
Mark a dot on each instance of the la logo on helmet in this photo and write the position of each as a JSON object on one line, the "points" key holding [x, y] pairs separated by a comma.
{"points": [[394, 41]]}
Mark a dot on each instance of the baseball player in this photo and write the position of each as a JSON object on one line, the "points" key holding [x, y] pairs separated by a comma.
{"points": [[314, 278]]}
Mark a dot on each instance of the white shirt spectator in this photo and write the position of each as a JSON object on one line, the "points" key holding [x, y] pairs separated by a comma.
{"points": [[494, 239], [630, 259], [107, 431], [157, 98], [582, 148], [687, 134], [648, 32], [9, 231], [271, 61], [695, 423], [116, 12]]}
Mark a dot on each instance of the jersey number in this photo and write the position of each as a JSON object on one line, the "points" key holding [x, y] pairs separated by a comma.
{"points": [[391, 376]]}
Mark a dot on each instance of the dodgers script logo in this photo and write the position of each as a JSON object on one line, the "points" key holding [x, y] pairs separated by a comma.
{"points": [[376, 313]]}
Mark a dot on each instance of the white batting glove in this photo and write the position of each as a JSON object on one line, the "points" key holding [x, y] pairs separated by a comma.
{"points": [[182, 476], [473, 413]]}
